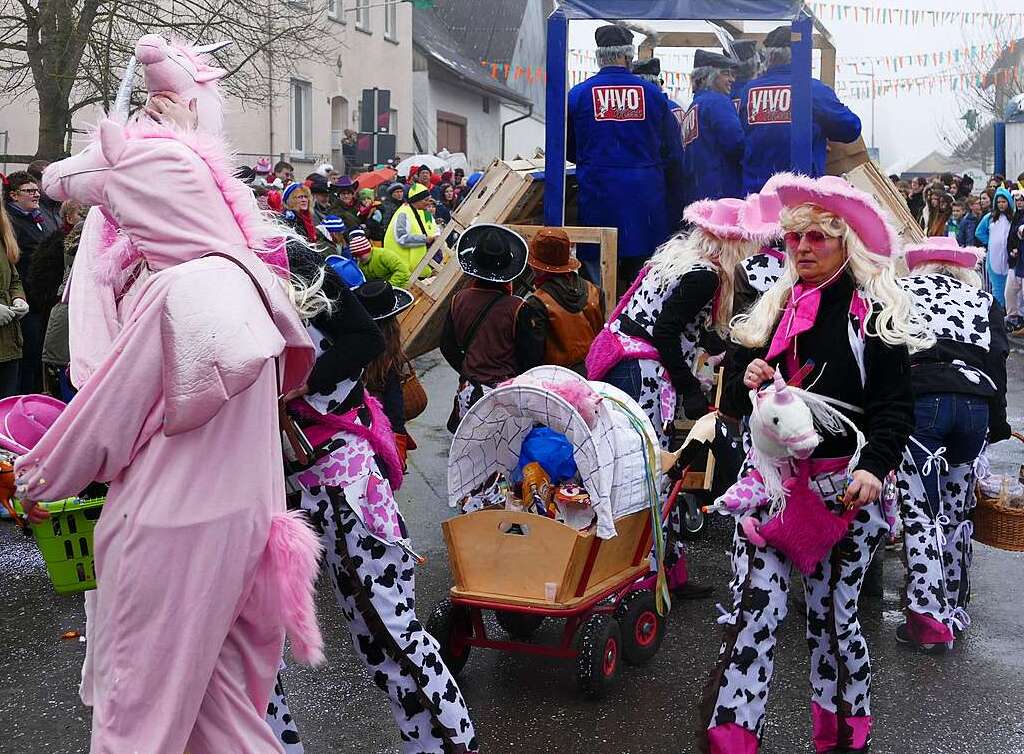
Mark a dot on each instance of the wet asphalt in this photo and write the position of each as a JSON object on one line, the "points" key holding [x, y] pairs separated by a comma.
{"points": [[970, 701]]}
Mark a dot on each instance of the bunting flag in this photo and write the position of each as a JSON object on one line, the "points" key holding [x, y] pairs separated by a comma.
{"points": [[929, 83], [980, 54], [894, 16]]}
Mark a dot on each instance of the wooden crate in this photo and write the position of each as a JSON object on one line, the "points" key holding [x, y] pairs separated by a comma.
{"points": [[491, 562], [508, 194], [607, 238]]}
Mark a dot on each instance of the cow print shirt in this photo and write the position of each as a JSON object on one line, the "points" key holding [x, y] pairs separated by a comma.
{"points": [[969, 355]]}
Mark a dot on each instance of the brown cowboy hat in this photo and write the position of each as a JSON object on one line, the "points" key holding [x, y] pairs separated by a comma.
{"points": [[550, 252]]}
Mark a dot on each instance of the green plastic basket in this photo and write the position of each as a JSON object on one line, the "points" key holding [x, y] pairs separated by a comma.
{"points": [[65, 540]]}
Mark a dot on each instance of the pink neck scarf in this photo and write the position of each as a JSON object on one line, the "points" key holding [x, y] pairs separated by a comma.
{"points": [[799, 315]]}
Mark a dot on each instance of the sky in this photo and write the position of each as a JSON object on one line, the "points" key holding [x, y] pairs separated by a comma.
{"points": [[908, 125]]}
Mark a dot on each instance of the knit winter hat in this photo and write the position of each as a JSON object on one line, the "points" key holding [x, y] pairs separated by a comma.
{"points": [[359, 244], [289, 190], [334, 224], [417, 192], [262, 166]]}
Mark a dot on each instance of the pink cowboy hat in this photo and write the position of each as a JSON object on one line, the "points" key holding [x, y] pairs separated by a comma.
{"points": [[945, 250], [760, 216], [719, 217], [833, 194], [24, 419]]}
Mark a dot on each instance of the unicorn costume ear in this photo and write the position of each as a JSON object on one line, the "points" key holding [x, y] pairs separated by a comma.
{"points": [[780, 381], [112, 141]]}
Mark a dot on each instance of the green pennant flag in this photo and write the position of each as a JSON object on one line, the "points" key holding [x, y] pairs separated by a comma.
{"points": [[421, 3]]}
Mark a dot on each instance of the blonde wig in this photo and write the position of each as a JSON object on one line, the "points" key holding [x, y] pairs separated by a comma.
{"points": [[675, 257], [896, 322], [964, 275]]}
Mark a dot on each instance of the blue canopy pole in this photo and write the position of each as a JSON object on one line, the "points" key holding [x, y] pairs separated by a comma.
{"points": [[999, 133], [800, 110], [554, 139]]}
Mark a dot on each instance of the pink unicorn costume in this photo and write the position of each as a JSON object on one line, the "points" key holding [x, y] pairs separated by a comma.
{"points": [[199, 568]]}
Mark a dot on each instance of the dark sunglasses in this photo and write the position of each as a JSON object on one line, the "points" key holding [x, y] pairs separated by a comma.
{"points": [[815, 238]]}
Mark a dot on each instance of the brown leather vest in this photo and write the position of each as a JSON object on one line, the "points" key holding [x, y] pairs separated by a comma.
{"points": [[570, 334]]}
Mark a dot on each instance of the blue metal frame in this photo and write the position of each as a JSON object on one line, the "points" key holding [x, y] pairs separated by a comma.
{"points": [[665, 10]]}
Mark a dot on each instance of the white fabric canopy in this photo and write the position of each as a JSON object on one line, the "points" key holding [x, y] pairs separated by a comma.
{"points": [[610, 456]]}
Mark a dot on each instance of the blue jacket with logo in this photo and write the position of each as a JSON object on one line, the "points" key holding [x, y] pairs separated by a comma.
{"points": [[625, 142], [713, 143], [766, 116]]}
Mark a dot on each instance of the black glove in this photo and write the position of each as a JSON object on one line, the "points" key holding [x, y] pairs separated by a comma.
{"points": [[695, 405], [999, 430]]}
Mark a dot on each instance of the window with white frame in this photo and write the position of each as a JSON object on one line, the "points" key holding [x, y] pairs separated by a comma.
{"points": [[301, 117], [363, 14], [391, 19], [335, 10]]}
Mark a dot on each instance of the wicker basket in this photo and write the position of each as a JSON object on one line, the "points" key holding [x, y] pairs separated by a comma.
{"points": [[998, 525]]}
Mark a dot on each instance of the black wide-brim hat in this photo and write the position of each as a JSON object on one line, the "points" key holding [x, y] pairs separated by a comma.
{"points": [[382, 300], [492, 252]]}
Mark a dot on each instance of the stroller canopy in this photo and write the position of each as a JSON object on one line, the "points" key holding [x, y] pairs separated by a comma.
{"points": [[614, 457]]}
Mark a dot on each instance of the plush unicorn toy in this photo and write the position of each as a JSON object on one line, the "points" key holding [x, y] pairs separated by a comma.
{"points": [[783, 436]]}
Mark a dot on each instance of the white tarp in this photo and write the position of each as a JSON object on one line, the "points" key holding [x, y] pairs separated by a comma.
{"points": [[610, 457]]}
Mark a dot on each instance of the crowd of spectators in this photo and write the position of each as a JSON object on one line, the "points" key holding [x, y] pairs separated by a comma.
{"points": [[991, 217], [375, 233]]}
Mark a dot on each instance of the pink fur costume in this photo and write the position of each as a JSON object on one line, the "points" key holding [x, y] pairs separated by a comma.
{"points": [[200, 571]]}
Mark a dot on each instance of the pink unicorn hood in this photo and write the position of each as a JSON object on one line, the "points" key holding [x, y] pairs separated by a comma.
{"points": [[181, 68], [195, 208]]}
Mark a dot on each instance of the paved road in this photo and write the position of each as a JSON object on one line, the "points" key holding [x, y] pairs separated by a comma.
{"points": [[967, 702]]}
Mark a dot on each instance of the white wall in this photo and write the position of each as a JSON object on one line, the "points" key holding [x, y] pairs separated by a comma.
{"points": [[523, 138], [483, 130], [1014, 149]]}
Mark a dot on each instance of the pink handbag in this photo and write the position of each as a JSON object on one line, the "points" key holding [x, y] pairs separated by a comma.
{"points": [[806, 531]]}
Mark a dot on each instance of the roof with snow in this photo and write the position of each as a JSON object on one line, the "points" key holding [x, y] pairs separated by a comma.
{"points": [[459, 34]]}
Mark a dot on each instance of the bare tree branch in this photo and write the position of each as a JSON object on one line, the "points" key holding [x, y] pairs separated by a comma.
{"points": [[72, 52]]}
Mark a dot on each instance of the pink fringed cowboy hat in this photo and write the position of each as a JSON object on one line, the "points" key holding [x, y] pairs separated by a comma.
{"points": [[24, 419], [719, 217], [833, 194], [945, 250]]}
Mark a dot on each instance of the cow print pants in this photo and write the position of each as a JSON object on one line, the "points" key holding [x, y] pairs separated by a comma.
{"points": [[375, 587], [840, 670], [936, 500]]}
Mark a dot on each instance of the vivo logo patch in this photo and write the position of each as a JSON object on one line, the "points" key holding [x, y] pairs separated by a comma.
{"points": [[619, 103], [769, 104], [691, 126]]}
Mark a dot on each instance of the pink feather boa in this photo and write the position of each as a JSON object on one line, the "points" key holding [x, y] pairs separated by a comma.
{"points": [[379, 434]]}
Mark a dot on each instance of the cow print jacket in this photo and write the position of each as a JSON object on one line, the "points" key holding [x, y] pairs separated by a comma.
{"points": [[969, 355]]}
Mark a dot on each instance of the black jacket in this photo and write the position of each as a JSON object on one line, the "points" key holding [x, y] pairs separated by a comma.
{"points": [[959, 354], [886, 398], [353, 339], [29, 234]]}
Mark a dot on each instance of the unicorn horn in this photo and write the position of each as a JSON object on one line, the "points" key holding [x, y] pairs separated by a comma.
{"points": [[212, 47], [124, 92], [780, 382]]}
